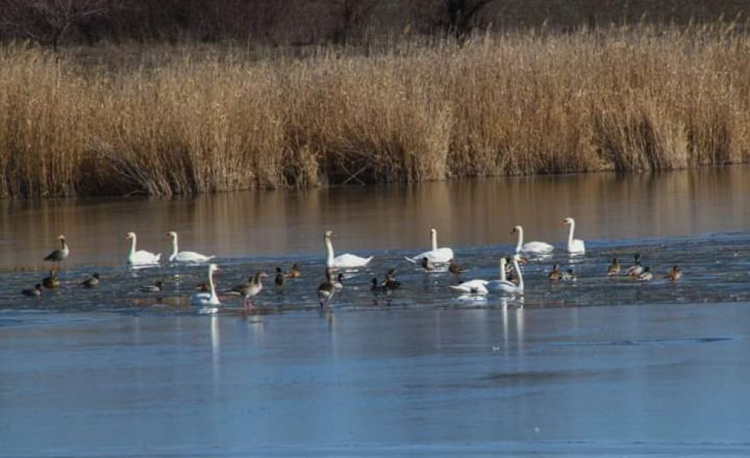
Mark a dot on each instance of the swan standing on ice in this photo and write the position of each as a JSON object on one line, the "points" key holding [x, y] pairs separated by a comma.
{"points": [[343, 261], [530, 247], [435, 255], [575, 246], [184, 256], [505, 286], [141, 257], [209, 301]]}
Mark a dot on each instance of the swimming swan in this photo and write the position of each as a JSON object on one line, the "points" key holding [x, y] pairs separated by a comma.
{"points": [[141, 257], [530, 247], [435, 255], [343, 261], [210, 298], [575, 246], [504, 285], [184, 256]]}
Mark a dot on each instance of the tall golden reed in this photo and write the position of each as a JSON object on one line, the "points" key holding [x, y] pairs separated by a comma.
{"points": [[622, 99]]}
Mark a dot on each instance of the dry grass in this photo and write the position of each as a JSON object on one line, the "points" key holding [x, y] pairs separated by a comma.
{"points": [[624, 99]]}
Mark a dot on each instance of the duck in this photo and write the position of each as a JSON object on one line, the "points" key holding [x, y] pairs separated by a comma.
{"points": [[555, 275], [202, 287], [338, 281], [280, 277], [504, 285], [36, 291], [377, 286], [295, 272], [390, 280], [575, 246], [250, 289], [185, 256], [530, 247], [91, 282], [435, 255], [568, 275], [456, 269], [140, 257], [674, 274], [326, 291], [646, 275], [155, 288], [636, 269], [59, 254], [614, 268], [209, 300], [343, 261], [51, 281]]}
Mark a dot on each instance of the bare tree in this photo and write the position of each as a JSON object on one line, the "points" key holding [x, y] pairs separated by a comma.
{"points": [[47, 21]]}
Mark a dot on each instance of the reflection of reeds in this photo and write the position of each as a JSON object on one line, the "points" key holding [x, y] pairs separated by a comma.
{"points": [[623, 99]]}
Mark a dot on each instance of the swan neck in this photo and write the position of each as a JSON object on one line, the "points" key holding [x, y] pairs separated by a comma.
{"points": [[433, 240], [520, 239], [570, 233], [329, 250], [214, 297], [502, 269], [132, 246], [518, 272], [175, 250]]}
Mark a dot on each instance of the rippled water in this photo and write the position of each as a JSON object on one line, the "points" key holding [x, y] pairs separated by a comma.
{"points": [[602, 366]]}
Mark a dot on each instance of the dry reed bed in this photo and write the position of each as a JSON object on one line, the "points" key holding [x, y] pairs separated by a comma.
{"points": [[623, 100]]}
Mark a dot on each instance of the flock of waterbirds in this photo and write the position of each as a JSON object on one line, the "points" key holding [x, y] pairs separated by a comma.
{"points": [[437, 259]]}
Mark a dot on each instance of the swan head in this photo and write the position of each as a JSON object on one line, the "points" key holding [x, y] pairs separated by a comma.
{"points": [[433, 231], [568, 221], [213, 268], [61, 238], [172, 234], [516, 229], [328, 235], [130, 236]]}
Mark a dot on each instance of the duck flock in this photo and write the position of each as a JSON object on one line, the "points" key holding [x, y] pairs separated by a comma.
{"points": [[436, 259]]}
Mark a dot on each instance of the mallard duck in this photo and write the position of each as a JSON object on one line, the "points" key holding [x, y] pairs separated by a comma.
{"points": [[555, 275], [646, 275], [91, 282], [674, 274], [51, 281], [280, 277], [36, 291], [614, 268]]}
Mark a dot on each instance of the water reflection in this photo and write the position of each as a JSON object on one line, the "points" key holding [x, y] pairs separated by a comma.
{"points": [[479, 212]]}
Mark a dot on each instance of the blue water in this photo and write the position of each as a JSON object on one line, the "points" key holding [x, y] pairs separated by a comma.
{"points": [[602, 366]]}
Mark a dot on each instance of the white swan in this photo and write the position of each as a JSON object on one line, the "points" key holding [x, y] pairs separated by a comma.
{"points": [[208, 300], [343, 261], [141, 257], [184, 256], [472, 287], [504, 285], [530, 247], [575, 246], [435, 255]]}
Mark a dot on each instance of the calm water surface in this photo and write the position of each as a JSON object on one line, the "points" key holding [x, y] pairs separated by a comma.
{"points": [[597, 367]]}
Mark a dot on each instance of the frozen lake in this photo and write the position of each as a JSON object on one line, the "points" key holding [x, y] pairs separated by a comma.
{"points": [[602, 366]]}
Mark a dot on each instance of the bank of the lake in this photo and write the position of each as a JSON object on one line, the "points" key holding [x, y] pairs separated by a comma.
{"points": [[189, 120]]}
